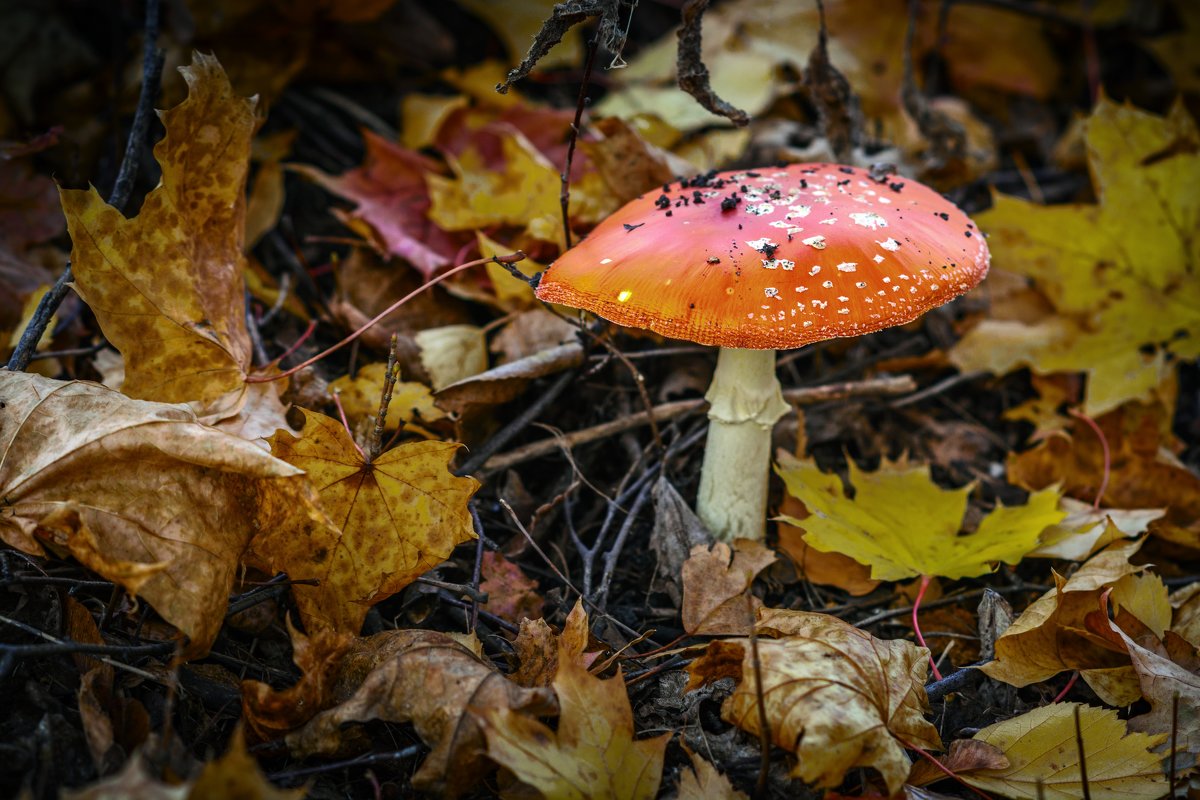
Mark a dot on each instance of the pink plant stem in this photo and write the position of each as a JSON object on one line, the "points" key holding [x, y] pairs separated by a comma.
{"points": [[312, 326], [337, 401], [937, 676], [1058, 698], [511, 258], [1091, 423]]}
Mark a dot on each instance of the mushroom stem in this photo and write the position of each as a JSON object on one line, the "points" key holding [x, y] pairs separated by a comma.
{"points": [[745, 403]]}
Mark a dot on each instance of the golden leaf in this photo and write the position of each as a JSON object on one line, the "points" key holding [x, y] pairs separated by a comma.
{"points": [[166, 286], [592, 755], [1044, 758], [1121, 274], [397, 518], [903, 524]]}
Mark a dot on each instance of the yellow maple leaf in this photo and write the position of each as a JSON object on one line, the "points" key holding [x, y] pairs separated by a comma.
{"points": [[396, 518], [592, 755], [903, 525], [1122, 274], [141, 493], [835, 696], [167, 286], [1044, 759]]}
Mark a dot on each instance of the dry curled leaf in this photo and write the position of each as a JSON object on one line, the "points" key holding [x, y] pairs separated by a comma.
{"points": [[716, 586], [592, 754], [429, 679], [835, 696], [142, 493]]}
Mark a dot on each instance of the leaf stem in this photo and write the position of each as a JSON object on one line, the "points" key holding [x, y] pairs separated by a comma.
{"points": [[937, 675]]}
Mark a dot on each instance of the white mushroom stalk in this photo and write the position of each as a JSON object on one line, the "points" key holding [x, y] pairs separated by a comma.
{"points": [[745, 402]]}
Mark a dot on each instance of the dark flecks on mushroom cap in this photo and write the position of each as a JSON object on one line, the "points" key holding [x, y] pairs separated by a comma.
{"points": [[818, 251]]}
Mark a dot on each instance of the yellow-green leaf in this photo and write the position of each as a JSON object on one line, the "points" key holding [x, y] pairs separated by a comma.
{"points": [[1123, 275], [902, 524], [1044, 762]]}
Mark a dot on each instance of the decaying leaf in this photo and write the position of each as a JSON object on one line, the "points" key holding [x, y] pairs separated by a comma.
{"points": [[237, 774], [396, 518], [1084, 530], [716, 586], [269, 713], [703, 782], [392, 203], [592, 754], [166, 286], [1120, 273], [1143, 471], [903, 524], [431, 680], [1044, 759], [835, 696], [1051, 635], [142, 493], [511, 594], [411, 401], [830, 569]]}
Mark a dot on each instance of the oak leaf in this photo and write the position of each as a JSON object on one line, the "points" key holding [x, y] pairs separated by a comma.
{"points": [[903, 524], [835, 696], [1044, 758], [167, 285], [716, 586], [592, 754], [1121, 273], [429, 679], [141, 493], [396, 518]]}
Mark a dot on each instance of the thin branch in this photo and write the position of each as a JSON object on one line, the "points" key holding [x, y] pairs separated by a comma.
{"points": [[152, 63]]}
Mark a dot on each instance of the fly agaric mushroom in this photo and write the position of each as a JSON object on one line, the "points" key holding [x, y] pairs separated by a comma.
{"points": [[763, 260]]}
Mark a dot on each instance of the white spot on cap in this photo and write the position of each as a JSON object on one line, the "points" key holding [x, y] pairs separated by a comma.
{"points": [[843, 311], [761, 245], [843, 298], [816, 242], [772, 263], [771, 291], [860, 285], [798, 211], [606, 261], [848, 266], [808, 323], [869, 219], [827, 284], [816, 268], [760, 209], [889, 244], [878, 258]]}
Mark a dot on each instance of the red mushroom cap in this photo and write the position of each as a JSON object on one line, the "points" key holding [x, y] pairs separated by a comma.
{"points": [[773, 258]]}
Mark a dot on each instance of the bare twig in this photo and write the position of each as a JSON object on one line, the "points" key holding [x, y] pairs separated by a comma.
{"points": [[690, 70], [564, 192], [874, 387], [152, 62]]}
